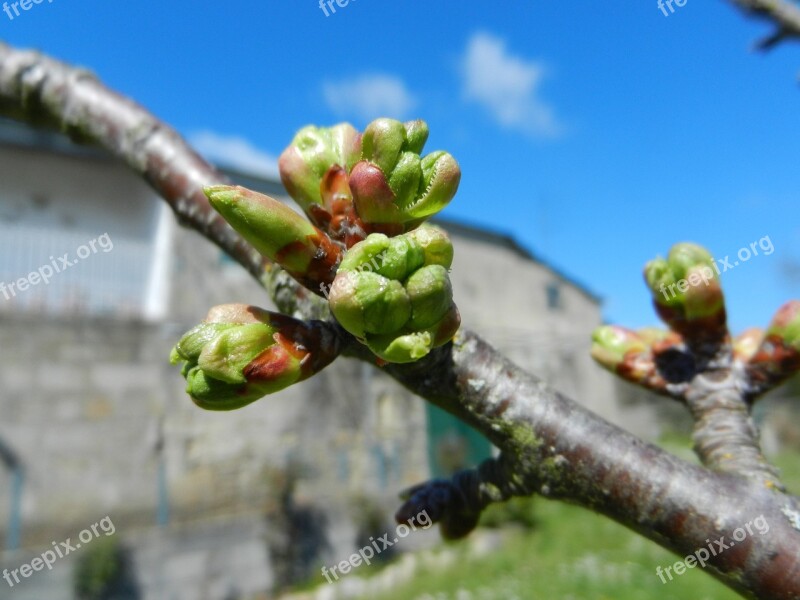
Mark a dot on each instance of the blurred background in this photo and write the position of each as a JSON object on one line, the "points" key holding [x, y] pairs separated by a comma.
{"points": [[590, 141]]}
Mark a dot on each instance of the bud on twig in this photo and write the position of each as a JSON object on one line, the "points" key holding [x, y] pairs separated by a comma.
{"points": [[613, 347], [778, 356], [785, 325], [686, 292], [650, 357], [392, 183], [279, 233], [394, 294], [315, 169], [241, 353], [312, 153]]}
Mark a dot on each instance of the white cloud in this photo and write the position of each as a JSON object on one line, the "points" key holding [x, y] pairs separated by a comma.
{"points": [[507, 86], [369, 97], [234, 152]]}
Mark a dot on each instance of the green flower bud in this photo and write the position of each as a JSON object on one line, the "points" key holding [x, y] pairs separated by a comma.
{"points": [[686, 290], [785, 325], [369, 303], [685, 256], [660, 279], [632, 355], [241, 353], [383, 143], [431, 295], [394, 294], [435, 244], [612, 344], [279, 233], [227, 355], [416, 135], [413, 346], [192, 343], [392, 183], [403, 348], [778, 355], [313, 151], [669, 279], [394, 258]]}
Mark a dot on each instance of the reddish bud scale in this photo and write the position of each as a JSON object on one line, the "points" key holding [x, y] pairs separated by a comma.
{"points": [[322, 265], [633, 355], [778, 356], [773, 362], [372, 195], [306, 342], [270, 365], [447, 327], [786, 315], [337, 215], [702, 328], [389, 229], [371, 184]]}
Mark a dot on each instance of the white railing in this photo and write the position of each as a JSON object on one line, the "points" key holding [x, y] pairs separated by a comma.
{"points": [[102, 276]]}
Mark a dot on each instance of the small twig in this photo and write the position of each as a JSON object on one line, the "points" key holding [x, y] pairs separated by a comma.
{"points": [[725, 437], [783, 13]]}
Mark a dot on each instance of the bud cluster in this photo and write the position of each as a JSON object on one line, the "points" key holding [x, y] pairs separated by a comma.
{"points": [[686, 294], [240, 353], [392, 293], [351, 185], [402, 305]]}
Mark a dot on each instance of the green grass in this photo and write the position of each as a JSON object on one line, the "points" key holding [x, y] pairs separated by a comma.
{"points": [[571, 554]]}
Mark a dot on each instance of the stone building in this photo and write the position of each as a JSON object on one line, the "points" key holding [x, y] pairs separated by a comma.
{"points": [[95, 422]]}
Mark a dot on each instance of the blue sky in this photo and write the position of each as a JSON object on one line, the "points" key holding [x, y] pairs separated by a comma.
{"points": [[596, 133]]}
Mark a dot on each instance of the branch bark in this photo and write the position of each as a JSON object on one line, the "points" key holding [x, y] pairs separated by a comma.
{"points": [[549, 444], [725, 436]]}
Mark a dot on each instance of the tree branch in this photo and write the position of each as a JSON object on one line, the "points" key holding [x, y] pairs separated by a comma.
{"points": [[725, 437], [783, 13], [695, 363], [549, 444], [552, 446]]}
